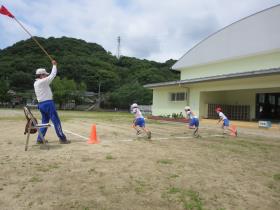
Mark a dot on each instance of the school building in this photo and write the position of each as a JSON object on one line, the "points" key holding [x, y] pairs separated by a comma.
{"points": [[236, 68]]}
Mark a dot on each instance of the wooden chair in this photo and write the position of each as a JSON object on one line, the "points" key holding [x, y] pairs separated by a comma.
{"points": [[32, 126]]}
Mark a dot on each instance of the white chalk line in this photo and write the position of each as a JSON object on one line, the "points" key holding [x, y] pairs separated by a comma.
{"points": [[114, 126], [130, 140], [75, 134]]}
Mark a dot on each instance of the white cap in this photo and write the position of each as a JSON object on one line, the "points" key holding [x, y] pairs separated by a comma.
{"points": [[134, 105], [42, 71], [187, 108]]}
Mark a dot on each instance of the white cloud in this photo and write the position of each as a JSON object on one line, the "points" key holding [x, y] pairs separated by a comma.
{"points": [[157, 30]]}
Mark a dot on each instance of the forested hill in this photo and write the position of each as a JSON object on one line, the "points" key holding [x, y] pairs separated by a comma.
{"points": [[83, 62]]}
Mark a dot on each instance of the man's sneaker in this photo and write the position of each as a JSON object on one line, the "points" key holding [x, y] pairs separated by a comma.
{"points": [[138, 132], [64, 141], [149, 134], [41, 142]]}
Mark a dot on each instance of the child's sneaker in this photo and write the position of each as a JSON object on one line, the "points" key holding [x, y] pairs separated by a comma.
{"points": [[149, 134], [196, 135], [138, 132]]}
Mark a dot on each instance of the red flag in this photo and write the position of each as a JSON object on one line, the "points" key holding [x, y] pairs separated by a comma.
{"points": [[4, 11]]}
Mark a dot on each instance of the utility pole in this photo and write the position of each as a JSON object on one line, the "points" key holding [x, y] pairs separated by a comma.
{"points": [[119, 47]]}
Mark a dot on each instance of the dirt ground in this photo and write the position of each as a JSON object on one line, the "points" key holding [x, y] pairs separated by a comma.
{"points": [[171, 171]]}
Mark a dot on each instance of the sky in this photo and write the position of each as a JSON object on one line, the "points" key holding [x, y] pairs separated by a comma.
{"points": [[149, 29]]}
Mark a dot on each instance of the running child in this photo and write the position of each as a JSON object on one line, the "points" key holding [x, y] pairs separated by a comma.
{"points": [[139, 121], [225, 125], [194, 121]]}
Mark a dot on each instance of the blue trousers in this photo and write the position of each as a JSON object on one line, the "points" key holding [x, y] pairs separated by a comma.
{"points": [[48, 112]]}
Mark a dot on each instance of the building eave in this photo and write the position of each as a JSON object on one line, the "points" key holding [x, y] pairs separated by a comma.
{"points": [[248, 74]]}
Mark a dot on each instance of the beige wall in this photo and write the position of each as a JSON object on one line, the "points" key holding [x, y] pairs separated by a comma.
{"points": [[253, 63], [162, 104]]}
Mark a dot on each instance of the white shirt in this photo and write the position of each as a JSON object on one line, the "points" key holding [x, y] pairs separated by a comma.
{"points": [[137, 113], [222, 116], [42, 86], [191, 115]]}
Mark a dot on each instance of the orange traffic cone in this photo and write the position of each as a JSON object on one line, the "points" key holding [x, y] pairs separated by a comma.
{"points": [[93, 138]]}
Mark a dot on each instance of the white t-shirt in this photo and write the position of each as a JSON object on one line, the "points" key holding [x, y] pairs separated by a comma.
{"points": [[42, 86], [222, 116], [190, 115], [137, 113]]}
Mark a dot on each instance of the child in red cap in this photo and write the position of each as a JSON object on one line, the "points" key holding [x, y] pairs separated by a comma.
{"points": [[225, 126]]}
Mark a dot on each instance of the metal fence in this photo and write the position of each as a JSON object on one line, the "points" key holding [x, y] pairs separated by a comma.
{"points": [[233, 112]]}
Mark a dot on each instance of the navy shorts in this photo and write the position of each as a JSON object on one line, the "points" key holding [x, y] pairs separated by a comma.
{"points": [[194, 122], [226, 122], [140, 122]]}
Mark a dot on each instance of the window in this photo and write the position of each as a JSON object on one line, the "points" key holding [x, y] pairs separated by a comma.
{"points": [[172, 96], [261, 97], [271, 99], [180, 96]]}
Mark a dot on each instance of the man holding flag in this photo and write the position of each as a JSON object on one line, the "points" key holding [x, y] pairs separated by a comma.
{"points": [[46, 104], [42, 89]]}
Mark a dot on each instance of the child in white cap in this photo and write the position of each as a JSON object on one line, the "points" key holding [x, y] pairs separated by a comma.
{"points": [[139, 121], [193, 121]]}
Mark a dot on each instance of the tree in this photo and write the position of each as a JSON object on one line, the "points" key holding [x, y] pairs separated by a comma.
{"points": [[130, 93], [63, 90], [21, 81], [4, 88]]}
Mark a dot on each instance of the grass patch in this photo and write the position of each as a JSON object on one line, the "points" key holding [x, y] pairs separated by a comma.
{"points": [[35, 179], [174, 190], [190, 199], [17, 114], [47, 168], [92, 170], [271, 186], [141, 186], [173, 176], [109, 157], [165, 161], [244, 147], [276, 177], [105, 116]]}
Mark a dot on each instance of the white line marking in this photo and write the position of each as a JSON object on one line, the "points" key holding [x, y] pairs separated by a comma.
{"points": [[159, 138], [184, 137], [164, 138], [126, 140], [130, 140], [83, 137]]}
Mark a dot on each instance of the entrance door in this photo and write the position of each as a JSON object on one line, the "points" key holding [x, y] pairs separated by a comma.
{"points": [[268, 106]]}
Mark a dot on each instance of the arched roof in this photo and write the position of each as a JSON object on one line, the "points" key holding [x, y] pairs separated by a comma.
{"points": [[256, 34]]}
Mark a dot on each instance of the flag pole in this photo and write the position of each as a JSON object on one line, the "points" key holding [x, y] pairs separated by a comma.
{"points": [[34, 39]]}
